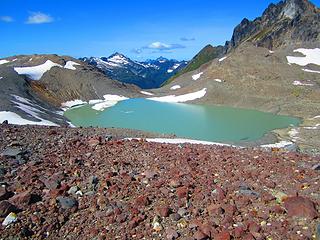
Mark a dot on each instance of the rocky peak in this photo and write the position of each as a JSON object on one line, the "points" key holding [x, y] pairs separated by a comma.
{"points": [[287, 22]]}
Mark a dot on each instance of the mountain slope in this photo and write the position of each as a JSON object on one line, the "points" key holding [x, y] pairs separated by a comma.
{"points": [[207, 54], [35, 86], [147, 75], [286, 23]]}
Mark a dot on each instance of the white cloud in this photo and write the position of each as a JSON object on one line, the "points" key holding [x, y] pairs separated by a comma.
{"points": [[163, 46], [39, 18], [6, 19]]}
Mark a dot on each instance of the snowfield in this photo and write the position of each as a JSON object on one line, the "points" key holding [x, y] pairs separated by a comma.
{"points": [[197, 76], [175, 87], [71, 65], [298, 83], [281, 144], [36, 72], [310, 71], [146, 93], [312, 56], [4, 61], [218, 80], [181, 98], [14, 118]]}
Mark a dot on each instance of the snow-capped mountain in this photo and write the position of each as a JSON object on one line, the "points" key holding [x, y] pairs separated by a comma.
{"points": [[147, 75]]}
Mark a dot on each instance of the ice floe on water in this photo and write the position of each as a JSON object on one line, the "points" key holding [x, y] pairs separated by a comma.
{"points": [[181, 98], [197, 76], [146, 93], [70, 104], [311, 56], [14, 118], [36, 72], [71, 65], [4, 61], [175, 87], [109, 101], [299, 83], [310, 71]]}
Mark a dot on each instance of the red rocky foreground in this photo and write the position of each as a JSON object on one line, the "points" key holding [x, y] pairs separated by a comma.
{"points": [[59, 183]]}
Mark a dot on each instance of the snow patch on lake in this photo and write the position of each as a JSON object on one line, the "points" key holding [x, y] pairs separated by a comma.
{"points": [[109, 101], [71, 65], [147, 93], [36, 72], [73, 103], [181, 98], [310, 71], [175, 87], [312, 56], [14, 118], [298, 83], [4, 61], [197, 76]]}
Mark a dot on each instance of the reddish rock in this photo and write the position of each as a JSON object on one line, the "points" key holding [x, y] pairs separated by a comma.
{"points": [[171, 234], [163, 211], [24, 199], [4, 194], [215, 209], [182, 192], [200, 236], [219, 193], [239, 232], [277, 209], [142, 201], [254, 227], [300, 207], [224, 235], [6, 208]]}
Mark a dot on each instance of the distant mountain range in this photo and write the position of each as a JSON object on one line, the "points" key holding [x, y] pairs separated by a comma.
{"points": [[147, 75]]}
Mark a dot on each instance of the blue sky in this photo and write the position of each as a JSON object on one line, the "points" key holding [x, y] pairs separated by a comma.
{"points": [[140, 29]]}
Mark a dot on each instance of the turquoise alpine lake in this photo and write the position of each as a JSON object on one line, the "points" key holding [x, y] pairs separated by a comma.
{"points": [[200, 122]]}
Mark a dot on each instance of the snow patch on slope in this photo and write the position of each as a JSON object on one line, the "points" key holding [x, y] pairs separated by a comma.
{"points": [[181, 98], [175, 87], [36, 72], [197, 76], [222, 59], [14, 118], [4, 61], [310, 71], [71, 65], [147, 93], [299, 83], [312, 56]]}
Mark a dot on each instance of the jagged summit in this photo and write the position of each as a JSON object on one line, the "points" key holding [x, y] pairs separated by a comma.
{"points": [[285, 23]]}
